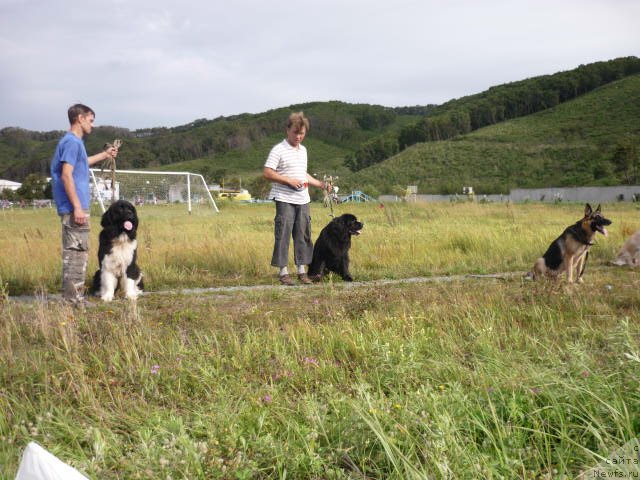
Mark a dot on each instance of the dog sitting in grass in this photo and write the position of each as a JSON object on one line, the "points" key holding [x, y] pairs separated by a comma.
{"points": [[331, 250], [117, 253], [569, 252], [629, 254]]}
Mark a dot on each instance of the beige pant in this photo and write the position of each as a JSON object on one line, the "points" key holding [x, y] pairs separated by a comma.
{"points": [[75, 246]]}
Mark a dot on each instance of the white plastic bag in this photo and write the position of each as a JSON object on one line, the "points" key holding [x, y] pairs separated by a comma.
{"points": [[38, 464]]}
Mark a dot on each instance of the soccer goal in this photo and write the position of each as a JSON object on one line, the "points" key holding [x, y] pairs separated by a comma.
{"points": [[142, 187]]}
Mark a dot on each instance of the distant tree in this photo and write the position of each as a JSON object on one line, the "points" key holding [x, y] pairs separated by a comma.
{"points": [[259, 187], [625, 160], [8, 194], [370, 190], [399, 191], [217, 175], [372, 152], [374, 118], [32, 187]]}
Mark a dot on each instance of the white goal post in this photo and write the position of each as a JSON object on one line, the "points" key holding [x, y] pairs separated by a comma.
{"points": [[147, 187]]}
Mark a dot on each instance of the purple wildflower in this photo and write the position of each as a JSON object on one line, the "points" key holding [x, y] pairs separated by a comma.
{"points": [[310, 361], [155, 369]]}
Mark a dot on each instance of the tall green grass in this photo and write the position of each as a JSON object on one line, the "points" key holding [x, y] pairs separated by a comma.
{"points": [[462, 379], [234, 247], [470, 379]]}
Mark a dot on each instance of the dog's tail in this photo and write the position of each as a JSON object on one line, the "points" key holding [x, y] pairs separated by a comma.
{"points": [[537, 271]]}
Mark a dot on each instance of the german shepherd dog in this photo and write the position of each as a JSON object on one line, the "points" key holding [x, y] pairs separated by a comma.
{"points": [[569, 252]]}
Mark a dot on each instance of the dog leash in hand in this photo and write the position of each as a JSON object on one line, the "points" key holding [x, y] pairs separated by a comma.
{"points": [[328, 196], [111, 163]]}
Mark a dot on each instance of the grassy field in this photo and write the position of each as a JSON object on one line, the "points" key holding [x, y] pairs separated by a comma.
{"points": [[234, 248], [472, 378]]}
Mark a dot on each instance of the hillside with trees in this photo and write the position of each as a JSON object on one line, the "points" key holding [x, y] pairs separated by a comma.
{"points": [[491, 140], [226, 145], [592, 140], [504, 102]]}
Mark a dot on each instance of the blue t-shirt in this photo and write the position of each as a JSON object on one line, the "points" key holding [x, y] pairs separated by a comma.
{"points": [[70, 150]]}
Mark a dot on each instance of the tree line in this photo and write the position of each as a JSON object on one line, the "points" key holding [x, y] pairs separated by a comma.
{"points": [[500, 103], [337, 123]]}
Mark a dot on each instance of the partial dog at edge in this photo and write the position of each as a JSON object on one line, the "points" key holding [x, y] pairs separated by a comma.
{"points": [[569, 252], [117, 253], [629, 254], [331, 250]]}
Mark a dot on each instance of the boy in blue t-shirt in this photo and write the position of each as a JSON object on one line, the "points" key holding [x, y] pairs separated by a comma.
{"points": [[70, 185]]}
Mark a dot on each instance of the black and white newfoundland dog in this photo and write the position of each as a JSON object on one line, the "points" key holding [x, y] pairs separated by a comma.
{"points": [[117, 253], [331, 250]]}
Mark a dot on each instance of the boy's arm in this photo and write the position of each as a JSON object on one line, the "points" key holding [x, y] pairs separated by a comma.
{"points": [[98, 157], [318, 183], [271, 175], [66, 176]]}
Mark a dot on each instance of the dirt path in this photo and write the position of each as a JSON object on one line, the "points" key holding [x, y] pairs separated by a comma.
{"points": [[251, 288]]}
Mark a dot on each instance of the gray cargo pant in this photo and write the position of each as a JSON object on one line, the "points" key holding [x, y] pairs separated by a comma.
{"points": [[292, 220], [75, 246]]}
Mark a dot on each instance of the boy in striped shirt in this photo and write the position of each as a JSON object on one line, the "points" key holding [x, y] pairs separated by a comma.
{"points": [[286, 168]]}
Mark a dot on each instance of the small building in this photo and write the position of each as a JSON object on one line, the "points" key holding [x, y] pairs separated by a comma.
{"points": [[9, 185]]}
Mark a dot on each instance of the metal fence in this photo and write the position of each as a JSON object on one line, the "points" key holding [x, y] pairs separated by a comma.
{"points": [[623, 193]]}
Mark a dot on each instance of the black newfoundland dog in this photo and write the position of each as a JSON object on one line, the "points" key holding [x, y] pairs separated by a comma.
{"points": [[331, 250], [117, 253]]}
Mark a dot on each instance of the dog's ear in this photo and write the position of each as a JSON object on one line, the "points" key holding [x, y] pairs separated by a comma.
{"points": [[337, 227], [107, 218], [587, 210], [598, 209]]}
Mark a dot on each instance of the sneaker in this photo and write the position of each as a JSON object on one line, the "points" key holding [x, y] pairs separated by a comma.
{"points": [[285, 280], [303, 278]]}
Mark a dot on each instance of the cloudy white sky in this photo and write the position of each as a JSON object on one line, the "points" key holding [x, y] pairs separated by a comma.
{"points": [[146, 63]]}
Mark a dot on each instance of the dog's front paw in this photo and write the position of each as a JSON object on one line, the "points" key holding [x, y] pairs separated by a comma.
{"points": [[107, 297], [133, 295], [347, 278], [132, 290]]}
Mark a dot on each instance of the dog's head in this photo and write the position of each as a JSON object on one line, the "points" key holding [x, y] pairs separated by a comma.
{"points": [[121, 217], [348, 224], [594, 221]]}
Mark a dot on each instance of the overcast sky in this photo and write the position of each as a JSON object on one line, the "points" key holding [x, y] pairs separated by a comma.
{"points": [[143, 63]]}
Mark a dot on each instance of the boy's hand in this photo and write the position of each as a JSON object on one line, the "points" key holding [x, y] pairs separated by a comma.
{"points": [[112, 152], [79, 217], [296, 184]]}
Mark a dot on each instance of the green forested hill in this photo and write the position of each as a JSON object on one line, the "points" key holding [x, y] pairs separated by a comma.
{"points": [[578, 127], [216, 148], [592, 140]]}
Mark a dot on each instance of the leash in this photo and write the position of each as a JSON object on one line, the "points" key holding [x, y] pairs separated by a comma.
{"points": [[330, 197], [111, 164]]}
